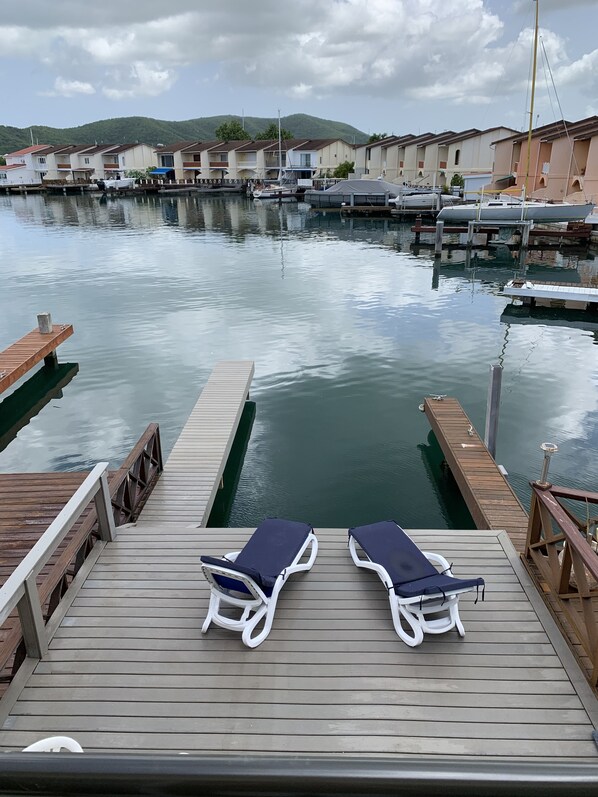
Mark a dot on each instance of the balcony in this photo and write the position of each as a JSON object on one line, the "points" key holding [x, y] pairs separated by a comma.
{"points": [[110, 166], [218, 164], [63, 166], [192, 165]]}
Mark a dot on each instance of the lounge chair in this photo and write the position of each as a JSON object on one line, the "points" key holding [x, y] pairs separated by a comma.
{"points": [[427, 598], [251, 579], [54, 744]]}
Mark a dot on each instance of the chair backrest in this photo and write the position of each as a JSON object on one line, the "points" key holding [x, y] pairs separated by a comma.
{"points": [[388, 545], [54, 744]]}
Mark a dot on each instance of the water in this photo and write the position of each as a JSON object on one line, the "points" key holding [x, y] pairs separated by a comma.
{"points": [[349, 328]]}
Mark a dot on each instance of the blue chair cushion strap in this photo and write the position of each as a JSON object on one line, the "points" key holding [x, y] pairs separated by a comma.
{"points": [[273, 546], [440, 584], [386, 544]]}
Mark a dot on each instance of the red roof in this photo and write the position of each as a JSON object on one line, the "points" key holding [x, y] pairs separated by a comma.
{"points": [[27, 150], [12, 166]]}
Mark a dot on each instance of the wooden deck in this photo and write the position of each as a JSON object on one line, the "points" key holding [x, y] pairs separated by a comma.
{"points": [[22, 356], [129, 670], [490, 498], [193, 471]]}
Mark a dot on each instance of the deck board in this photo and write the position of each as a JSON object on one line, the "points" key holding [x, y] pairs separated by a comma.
{"points": [[192, 474], [129, 669]]}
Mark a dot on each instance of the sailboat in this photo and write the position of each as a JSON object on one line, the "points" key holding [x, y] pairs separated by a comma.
{"points": [[282, 189], [509, 208]]}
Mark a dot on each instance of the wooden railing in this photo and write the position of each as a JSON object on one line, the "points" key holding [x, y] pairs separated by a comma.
{"points": [[20, 589], [127, 490], [559, 544]]}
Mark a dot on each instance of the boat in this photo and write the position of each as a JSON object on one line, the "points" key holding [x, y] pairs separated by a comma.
{"points": [[434, 199], [116, 184], [515, 209], [508, 208], [283, 189]]}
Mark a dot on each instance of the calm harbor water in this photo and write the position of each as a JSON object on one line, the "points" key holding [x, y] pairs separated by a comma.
{"points": [[348, 324]]}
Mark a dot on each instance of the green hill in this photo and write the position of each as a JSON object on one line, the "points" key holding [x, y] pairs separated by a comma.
{"points": [[157, 131]]}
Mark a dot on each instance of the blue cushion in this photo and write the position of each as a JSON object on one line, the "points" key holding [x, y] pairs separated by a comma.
{"points": [[412, 575], [273, 546]]}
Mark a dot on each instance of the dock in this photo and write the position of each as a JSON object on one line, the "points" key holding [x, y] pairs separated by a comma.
{"points": [[128, 669], [26, 353], [490, 498], [529, 292], [194, 469]]}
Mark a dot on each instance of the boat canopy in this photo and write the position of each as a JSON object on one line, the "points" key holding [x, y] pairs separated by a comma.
{"points": [[365, 187]]}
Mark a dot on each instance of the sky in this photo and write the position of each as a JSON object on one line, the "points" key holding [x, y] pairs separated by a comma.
{"points": [[385, 66]]}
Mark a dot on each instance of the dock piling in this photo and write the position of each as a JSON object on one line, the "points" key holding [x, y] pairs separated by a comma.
{"points": [[44, 322], [492, 409], [438, 239]]}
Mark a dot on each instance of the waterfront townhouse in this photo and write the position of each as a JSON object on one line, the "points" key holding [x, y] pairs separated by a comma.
{"points": [[118, 160], [470, 152], [369, 158], [317, 156], [22, 167], [170, 159]]}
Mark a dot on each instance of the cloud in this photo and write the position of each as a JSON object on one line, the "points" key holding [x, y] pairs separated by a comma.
{"points": [[69, 88], [394, 49]]}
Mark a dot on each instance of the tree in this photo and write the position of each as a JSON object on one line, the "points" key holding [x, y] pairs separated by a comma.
{"points": [[2, 161], [457, 180], [376, 137], [343, 170], [232, 131], [272, 132], [140, 174]]}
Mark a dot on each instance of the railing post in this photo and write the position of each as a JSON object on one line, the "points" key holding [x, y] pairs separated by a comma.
{"points": [[104, 511], [492, 409], [32, 621]]}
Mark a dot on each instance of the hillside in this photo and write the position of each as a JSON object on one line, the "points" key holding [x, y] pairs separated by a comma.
{"points": [[157, 131]]}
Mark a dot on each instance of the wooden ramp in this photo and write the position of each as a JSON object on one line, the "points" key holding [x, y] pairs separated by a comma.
{"points": [[193, 471], [26, 353], [490, 498], [129, 669]]}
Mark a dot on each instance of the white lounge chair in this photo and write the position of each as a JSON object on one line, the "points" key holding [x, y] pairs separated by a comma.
{"points": [[251, 579], [54, 744], [425, 597]]}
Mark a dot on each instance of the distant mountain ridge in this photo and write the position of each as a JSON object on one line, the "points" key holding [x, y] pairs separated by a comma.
{"points": [[144, 129]]}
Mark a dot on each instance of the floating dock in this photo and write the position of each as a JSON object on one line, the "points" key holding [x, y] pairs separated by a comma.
{"points": [[490, 498], [529, 292], [194, 469], [26, 353]]}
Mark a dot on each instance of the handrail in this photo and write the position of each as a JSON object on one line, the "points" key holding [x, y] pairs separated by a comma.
{"points": [[49, 774], [566, 566], [20, 588]]}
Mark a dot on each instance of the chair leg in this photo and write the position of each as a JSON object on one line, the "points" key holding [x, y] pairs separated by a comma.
{"points": [[417, 636], [268, 611], [213, 608]]}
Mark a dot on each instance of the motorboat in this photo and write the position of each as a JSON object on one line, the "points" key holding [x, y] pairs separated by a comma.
{"points": [[276, 191], [423, 200], [511, 208]]}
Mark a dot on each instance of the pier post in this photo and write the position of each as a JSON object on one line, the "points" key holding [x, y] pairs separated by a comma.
{"points": [[438, 239], [492, 409], [44, 323], [526, 227], [470, 232], [417, 230]]}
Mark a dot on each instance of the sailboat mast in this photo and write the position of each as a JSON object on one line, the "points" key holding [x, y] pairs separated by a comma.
{"points": [[279, 149], [533, 95]]}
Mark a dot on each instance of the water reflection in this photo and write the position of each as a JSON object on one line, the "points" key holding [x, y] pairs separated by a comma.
{"points": [[349, 326]]}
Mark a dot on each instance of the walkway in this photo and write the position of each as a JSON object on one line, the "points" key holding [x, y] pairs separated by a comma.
{"points": [[193, 472], [22, 356]]}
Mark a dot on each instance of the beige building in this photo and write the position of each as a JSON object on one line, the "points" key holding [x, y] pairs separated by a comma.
{"points": [[562, 162]]}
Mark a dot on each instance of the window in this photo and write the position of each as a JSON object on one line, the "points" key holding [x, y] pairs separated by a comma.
{"points": [[305, 159], [41, 160], [457, 156], [167, 161], [86, 161], [2, 175]]}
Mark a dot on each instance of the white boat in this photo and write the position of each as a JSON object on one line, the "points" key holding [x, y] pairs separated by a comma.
{"points": [[430, 200], [514, 209], [276, 191], [116, 184]]}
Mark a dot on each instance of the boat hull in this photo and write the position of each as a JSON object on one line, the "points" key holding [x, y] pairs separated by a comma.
{"points": [[528, 212]]}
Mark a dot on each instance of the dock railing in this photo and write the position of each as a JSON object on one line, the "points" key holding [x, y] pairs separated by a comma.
{"points": [[20, 589], [560, 547]]}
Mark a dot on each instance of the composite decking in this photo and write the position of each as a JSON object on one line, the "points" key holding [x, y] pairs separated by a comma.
{"points": [[194, 469], [129, 670], [22, 356], [490, 498]]}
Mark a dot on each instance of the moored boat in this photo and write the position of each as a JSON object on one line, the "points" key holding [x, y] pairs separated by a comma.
{"points": [[514, 209]]}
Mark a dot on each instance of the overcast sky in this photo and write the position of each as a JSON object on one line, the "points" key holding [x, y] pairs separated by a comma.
{"points": [[391, 66]]}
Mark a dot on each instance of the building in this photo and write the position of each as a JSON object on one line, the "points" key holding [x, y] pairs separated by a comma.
{"points": [[22, 167]]}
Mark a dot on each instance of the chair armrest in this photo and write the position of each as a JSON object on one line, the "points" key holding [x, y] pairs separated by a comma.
{"points": [[437, 559]]}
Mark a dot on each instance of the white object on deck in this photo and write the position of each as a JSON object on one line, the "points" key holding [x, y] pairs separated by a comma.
{"points": [[54, 744]]}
